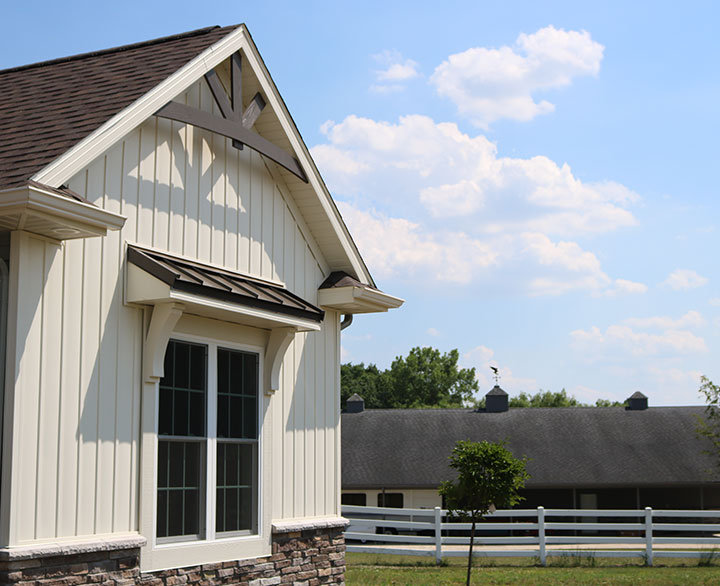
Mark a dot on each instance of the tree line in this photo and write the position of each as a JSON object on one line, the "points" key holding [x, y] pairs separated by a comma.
{"points": [[427, 378]]}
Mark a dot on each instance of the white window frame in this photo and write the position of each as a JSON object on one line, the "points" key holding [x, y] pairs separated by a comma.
{"points": [[211, 445]]}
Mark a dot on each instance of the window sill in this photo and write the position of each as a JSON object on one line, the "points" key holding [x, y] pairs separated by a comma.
{"points": [[180, 554]]}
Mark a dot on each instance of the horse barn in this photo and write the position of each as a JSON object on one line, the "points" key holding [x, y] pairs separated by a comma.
{"points": [[174, 278], [578, 457]]}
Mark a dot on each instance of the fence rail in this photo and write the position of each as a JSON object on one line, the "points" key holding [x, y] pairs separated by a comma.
{"points": [[426, 531]]}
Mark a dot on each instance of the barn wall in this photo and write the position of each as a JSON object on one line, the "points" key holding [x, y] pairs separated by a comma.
{"points": [[77, 367]]}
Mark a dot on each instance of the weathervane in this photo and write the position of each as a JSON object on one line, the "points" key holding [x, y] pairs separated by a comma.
{"points": [[496, 374]]}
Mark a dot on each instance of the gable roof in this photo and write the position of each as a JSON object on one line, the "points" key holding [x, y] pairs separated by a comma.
{"points": [[62, 114], [566, 447], [49, 107]]}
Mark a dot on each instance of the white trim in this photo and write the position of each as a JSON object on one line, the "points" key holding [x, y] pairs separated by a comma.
{"points": [[73, 546], [210, 549], [70, 218], [309, 524], [353, 299], [144, 288]]}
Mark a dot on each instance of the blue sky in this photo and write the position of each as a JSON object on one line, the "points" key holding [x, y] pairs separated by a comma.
{"points": [[538, 182]]}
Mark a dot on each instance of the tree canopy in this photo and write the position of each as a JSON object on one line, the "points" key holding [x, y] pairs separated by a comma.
{"points": [[428, 378], [552, 399], [425, 378]]}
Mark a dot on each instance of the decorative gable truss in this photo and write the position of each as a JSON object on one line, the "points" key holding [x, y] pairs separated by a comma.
{"points": [[233, 123]]}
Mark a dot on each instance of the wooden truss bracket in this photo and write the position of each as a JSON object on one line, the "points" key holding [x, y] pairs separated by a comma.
{"points": [[233, 123], [277, 345]]}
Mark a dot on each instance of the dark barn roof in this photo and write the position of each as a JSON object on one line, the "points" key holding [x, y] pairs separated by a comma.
{"points": [[566, 447], [49, 107]]}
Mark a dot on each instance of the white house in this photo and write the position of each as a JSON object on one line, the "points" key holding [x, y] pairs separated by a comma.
{"points": [[174, 275]]}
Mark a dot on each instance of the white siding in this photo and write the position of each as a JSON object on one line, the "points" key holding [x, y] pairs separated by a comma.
{"points": [[78, 368]]}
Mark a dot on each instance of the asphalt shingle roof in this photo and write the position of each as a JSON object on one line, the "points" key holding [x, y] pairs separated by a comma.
{"points": [[589, 447], [48, 107]]}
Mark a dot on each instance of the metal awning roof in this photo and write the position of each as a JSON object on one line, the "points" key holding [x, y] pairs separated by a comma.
{"points": [[207, 281]]}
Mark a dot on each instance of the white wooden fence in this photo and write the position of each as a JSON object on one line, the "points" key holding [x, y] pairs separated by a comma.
{"points": [[423, 532]]}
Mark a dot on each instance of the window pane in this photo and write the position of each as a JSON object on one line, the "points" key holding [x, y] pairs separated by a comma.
{"points": [[236, 491], [249, 418], [182, 404], [198, 367], [358, 499], [180, 473], [182, 365], [237, 394]]}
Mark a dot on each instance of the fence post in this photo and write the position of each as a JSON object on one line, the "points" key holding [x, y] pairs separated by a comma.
{"points": [[648, 537], [438, 535], [541, 535]]}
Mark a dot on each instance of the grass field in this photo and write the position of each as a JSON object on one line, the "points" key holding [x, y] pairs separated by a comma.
{"points": [[375, 570]]}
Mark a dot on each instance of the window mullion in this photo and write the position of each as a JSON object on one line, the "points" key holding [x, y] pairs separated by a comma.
{"points": [[211, 491]]}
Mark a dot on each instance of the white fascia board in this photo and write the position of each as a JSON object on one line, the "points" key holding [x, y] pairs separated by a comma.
{"points": [[357, 300], [35, 200], [145, 289], [125, 121]]}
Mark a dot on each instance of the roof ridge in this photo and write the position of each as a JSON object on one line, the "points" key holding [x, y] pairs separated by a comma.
{"points": [[119, 49]]}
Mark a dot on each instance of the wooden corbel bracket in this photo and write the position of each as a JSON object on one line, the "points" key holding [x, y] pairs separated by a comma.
{"points": [[277, 345], [162, 323]]}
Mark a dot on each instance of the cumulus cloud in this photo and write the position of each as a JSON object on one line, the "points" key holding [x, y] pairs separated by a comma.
{"points": [[390, 245], [715, 301], [455, 175], [489, 84], [395, 70], [692, 319], [433, 332], [622, 340], [684, 279], [451, 204]]}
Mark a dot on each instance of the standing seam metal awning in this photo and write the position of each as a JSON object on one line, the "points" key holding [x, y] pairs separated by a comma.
{"points": [[216, 283]]}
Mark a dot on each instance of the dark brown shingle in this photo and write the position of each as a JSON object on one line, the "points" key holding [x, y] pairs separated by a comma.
{"points": [[48, 107]]}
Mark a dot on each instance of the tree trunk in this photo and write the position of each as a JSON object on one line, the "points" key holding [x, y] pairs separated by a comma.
{"points": [[472, 538]]}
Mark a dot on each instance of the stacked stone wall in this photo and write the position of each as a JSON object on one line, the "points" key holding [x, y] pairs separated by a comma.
{"points": [[302, 558]]}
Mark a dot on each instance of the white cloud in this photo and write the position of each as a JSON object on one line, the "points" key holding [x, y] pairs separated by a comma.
{"points": [[391, 245], [490, 84], [433, 332], [625, 287], [451, 204], [684, 279], [715, 301], [458, 176], [395, 70], [692, 319], [623, 340]]}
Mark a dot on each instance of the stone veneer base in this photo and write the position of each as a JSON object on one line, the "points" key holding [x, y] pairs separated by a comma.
{"points": [[303, 558]]}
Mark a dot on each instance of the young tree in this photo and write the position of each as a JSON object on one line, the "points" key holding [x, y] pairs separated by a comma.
{"points": [[489, 477], [710, 425]]}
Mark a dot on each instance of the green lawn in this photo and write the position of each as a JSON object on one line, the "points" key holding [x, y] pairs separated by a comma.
{"points": [[375, 570]]}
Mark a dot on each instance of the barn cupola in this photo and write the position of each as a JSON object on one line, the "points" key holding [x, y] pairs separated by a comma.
{"points": [[637, 402], [496, 401], [355, 404]]}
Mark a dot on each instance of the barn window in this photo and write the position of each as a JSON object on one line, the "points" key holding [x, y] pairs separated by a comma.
{"points": [[208, 442]]}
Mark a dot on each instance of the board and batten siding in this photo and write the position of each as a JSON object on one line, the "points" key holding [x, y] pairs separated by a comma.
{"points": [[78, 347]]}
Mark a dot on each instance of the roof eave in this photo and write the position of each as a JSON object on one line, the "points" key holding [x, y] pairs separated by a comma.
{"points": [[39, 210], [357, 300]]}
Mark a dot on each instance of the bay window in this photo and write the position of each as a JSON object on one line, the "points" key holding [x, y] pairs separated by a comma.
{"points": [[207, 472]]}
